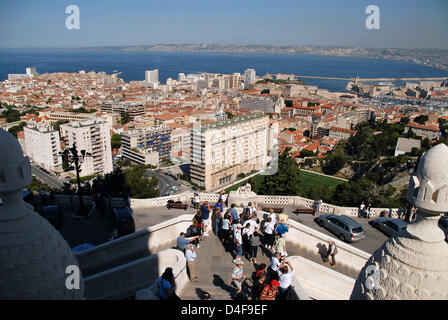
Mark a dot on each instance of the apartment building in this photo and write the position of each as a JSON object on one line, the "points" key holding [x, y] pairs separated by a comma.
{"points": [[220, 152], [250, 76], [93, 136], [132, 109], [340, 133], [147, 146], [42, 145], [264, 103], [425, 131]]}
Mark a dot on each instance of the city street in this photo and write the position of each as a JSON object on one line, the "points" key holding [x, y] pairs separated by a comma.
{"points": [[50, 180], [166, 183]]}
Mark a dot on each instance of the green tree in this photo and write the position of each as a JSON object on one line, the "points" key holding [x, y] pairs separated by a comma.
{"points": [[16, 129], [115, 141], [286, 180], [421, 119], [140, 185], [125, 118], [334, 163]]}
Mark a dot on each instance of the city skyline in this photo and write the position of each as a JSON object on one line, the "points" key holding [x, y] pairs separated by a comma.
{"points": [[402, 24]]}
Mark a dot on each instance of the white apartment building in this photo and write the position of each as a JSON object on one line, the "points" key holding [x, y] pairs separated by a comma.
{"points": [[152, 76], [93, 136], [180, 140], [220, 152], [42, 145], [250, 76]]}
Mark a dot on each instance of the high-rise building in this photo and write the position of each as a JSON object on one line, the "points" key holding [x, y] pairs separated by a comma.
{"points": [[93, 136], [250, 76], [42, 145], [147, 146], [220, 152], [31, 70], [181, 77], [152, 76]]}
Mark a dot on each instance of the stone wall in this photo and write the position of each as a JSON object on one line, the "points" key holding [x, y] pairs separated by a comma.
{"points": [[320, 282], [133, 246], [126, 280]]}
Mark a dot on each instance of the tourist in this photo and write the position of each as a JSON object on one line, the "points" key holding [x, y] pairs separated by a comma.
{"points": [[196, 200], [318, 206], [167, 286], [369, 208], [280, 245], [273, 269], [254, 243], [269, 234], [273, 217], [286, 273], [258, 286], [190, 256], [238, 241], [238, 276], [193, 231], [261, 269], [246, 233], [331, 252], [198, 218], [234, 212], [282, 228], [205, 210], [270, 290], [362, 207], [225, 227], [217, 210], [182, 241], [223, 197]]}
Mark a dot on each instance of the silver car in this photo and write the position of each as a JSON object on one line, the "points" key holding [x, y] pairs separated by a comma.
{"points": [[344, 227], [443, 224], [390, 227]]}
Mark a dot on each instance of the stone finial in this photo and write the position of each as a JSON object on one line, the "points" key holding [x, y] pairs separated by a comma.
{"points": [[33, 255], [415, 265]]}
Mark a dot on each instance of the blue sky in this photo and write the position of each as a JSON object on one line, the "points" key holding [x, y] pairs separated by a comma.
{"points": [[404, 24]]}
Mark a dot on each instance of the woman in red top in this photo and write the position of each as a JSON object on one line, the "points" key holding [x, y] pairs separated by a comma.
{"points": [[270, 291]]}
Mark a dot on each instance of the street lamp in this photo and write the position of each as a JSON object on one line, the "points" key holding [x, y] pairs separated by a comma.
{"points": [[74, 161]]}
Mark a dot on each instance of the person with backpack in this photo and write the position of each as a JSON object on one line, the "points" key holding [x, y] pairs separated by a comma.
{"points": [[234, 212], [270, 291], [282, 228], [167, 286]]}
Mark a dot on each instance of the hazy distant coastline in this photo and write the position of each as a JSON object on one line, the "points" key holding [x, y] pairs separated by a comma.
{"points": [[435, 58]]}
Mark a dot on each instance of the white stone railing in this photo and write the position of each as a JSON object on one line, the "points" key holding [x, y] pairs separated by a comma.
{"points": [[315, 241], [133, 246], [267, 200], [126, 280], [320, 282]]}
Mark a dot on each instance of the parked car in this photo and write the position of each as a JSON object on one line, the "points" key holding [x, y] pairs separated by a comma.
{"points": [[390, 227], [342, 226], [123, 221], [53, 214], [443, 224]]}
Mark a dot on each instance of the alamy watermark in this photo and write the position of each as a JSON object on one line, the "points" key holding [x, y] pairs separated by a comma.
{"points": [[73, 280], [73, 21], [373, 20]]}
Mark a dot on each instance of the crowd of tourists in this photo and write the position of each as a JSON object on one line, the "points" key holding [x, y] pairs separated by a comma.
{"points": [[242, 235]]}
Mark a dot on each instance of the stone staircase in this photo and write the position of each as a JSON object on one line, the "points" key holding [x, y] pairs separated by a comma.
{"points": [[214, 267]]}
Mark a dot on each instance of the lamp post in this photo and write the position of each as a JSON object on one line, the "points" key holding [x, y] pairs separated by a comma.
{"points": [[74, 160]]}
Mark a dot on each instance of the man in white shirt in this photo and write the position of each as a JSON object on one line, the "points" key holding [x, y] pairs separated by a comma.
{"points": [[269, 227], [238, 242], [273, 216], [190, 255], [285, 273], [331, 252], [196, 201]]}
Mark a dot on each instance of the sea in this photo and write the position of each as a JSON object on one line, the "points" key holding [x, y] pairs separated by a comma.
{"points": [[132, 64]]}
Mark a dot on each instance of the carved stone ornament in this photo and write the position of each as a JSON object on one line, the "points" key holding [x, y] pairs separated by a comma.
{"points": [[415, 265], [33, 255]]}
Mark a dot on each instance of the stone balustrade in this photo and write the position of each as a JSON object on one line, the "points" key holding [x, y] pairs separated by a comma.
{"points": [[292, 201]]}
